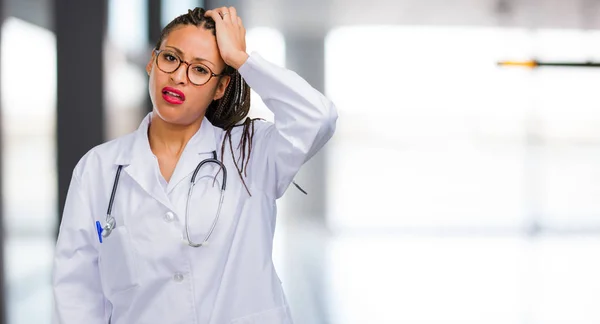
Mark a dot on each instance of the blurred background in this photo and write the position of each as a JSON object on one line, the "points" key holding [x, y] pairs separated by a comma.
{"points": [[454, 190]]}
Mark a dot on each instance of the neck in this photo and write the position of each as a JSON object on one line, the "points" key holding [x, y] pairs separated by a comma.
{"points": [[170, 139]]}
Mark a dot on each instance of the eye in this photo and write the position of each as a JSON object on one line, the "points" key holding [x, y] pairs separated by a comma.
{"points": [[200, 69], [169, 57]]}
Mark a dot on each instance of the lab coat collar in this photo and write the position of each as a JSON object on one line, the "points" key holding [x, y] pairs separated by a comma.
{"points": [[203, 142], [201, 146], [141, 164]]}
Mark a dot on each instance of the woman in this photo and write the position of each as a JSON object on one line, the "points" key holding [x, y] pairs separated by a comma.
{"points": [[166, 254]]}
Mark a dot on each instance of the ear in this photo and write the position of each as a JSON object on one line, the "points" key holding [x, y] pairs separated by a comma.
{"points": [[150, 62], [221, 87]]}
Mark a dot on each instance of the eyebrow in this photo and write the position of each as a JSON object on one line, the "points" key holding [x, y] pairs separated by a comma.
{"points": [[180, 53]]}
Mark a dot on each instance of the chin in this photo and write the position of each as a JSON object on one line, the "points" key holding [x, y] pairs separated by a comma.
{"points": [[175, 115]]}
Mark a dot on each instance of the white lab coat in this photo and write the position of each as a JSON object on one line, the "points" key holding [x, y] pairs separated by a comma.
{"points": [[144, 272]]}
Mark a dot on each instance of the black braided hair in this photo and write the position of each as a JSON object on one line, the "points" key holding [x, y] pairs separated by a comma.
{"points": [[233, 107]]}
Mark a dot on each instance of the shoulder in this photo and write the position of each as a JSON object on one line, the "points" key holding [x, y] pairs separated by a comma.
{"points": [[257, 127], [104, 155], [250, 136]]}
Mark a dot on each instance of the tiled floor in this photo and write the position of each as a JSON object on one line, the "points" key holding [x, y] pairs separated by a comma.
{"points": [[394, 279], [28, 265]]}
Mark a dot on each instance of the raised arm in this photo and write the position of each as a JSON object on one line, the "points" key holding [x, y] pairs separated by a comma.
{"points": [[304, 119]]}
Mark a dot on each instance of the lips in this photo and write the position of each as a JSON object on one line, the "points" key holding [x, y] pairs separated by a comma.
{"points": [[173, 96]]}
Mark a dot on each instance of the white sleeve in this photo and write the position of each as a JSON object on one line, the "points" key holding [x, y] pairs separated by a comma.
{"points": [[304, 121], [78, 296]]}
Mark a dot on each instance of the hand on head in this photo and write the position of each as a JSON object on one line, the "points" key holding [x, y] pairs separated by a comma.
{"points": [[231, 35]]}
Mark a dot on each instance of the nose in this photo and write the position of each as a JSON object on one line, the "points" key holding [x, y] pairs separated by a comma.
{"points": [[179, 76]]}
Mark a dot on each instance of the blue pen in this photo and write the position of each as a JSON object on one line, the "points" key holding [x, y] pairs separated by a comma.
{"points": [[99, 229]]}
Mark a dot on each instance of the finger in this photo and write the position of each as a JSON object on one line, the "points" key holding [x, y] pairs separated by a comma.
{"points": [[239, 23], [233, 15], [225, 14], [215, 15]]}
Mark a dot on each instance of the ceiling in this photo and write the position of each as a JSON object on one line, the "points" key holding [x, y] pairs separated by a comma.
{"points": [[317, 16]]}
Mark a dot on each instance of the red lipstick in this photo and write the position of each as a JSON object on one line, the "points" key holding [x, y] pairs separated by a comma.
{"points": [[173, 96]]}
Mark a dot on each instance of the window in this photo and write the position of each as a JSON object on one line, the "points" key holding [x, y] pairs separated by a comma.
{"points": [[443, 163], [29, 166], [443, 138]]}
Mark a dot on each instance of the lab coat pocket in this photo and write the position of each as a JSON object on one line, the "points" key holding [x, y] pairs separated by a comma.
{"points": [[117, 262], [279, 315]]}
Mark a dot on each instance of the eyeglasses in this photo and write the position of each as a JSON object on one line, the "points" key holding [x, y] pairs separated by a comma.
{"points": [[198, 73]]}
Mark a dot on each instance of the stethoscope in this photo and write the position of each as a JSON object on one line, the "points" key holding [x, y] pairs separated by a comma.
{"points": [[104, 231]]}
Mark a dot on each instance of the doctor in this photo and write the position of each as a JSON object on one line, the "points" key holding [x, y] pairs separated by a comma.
{"points": [[166, 254]]}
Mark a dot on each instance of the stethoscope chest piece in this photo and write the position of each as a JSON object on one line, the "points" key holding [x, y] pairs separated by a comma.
{"points": [[104, 232]]}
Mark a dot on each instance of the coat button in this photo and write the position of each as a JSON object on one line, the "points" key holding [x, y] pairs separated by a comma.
{"points": [[178, 277], [169, 217]]}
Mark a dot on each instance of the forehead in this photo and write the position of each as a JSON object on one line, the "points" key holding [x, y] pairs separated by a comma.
{"points": [[194, 42]]}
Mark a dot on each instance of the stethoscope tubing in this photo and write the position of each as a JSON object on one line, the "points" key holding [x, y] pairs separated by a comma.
{"points": [[111, 223]]}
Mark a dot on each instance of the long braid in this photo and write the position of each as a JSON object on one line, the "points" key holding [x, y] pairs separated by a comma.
{"points": [[233, 107]]}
